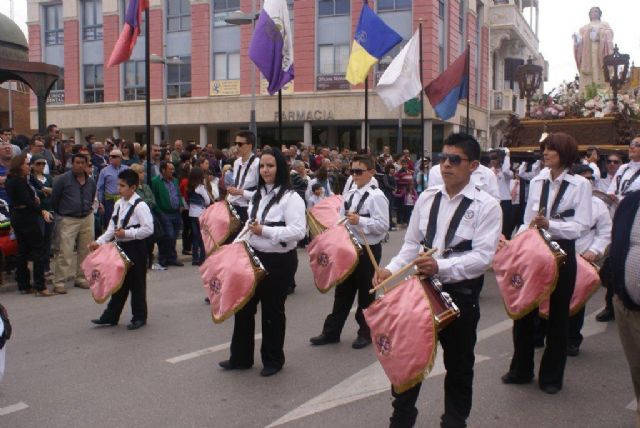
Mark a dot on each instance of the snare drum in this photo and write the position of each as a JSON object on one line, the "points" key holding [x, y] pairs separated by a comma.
{"points": [[105, 270], [324, 214], [333, 256], [230, 277], [218, 222], [445, 311]]}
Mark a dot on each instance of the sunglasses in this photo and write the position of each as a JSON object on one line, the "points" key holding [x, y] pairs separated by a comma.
{"points": [[240, 143], [454, 160], [40, 163], [612, 161], [635, 144], [114, 156], [357, 171]]}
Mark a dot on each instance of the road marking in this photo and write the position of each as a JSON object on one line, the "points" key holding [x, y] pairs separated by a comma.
{"points": [[205, 351], [633, 405], [13, 408]]}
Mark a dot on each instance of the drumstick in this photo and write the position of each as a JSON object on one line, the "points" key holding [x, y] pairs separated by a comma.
{"points": [[368, 248], [401, 272]]}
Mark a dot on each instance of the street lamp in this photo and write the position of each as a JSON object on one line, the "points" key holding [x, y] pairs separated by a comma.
{"points": [[529, 78], [616, 69], [157, 59], [238, 17]]}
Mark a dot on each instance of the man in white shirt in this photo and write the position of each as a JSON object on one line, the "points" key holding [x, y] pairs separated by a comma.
{"points": [[500, 164], [613, 165], [463, 222], [482, 177], [245, 173], [627, 179]]}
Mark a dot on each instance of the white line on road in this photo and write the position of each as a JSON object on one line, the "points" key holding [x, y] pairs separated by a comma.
{"points": [[13, 408], [633, 405], [205, 351]]}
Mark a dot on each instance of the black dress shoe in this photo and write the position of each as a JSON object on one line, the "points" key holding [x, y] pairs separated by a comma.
{"points": [[550, 389], [323, 340], [228, 365], [606, 315], [573, 350], [176, 263], [269, 371], [361, 342], [511, 379], [136, 324], [100, 321], [186, 252]]}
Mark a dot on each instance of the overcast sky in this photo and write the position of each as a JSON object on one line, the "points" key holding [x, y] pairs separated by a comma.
{"points": [[559, 19]]}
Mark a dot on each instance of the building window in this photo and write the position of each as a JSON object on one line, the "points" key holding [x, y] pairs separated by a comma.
{"points": [[178, 15], [226, 65], [384, 5], [134, 82], [179, 79], [333, 59], [441, 35], [333, 7], [93, 84], [53, 26], [56, 94], [92, 20], [226, 5]]}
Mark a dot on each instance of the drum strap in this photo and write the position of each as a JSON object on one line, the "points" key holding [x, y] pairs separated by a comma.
{"points": [[244, 174], [256, 203], [544, 196], [627, 183], [347, 205], [432, 227], [127, 217]]}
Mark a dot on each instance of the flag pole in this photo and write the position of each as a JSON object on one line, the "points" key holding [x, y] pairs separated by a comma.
{"points": [[147, 83], [421, 89], [468, 82], [366, 114], [280, 117]]}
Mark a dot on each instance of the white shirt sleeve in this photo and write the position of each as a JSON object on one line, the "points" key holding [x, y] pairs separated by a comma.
{"points": [[378, 222], [602, 238], [573, 227]]}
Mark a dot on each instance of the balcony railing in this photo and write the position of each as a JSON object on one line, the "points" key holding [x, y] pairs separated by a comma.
{"points": [[506, 101], [507, 15]]}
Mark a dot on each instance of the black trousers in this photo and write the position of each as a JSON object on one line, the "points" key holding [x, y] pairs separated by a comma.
{"points": [[557, 329], [605, 278], [135, 282], [358, 282], [507, 218], [187, 231], [458, 341], [271, 292], [31, 244], [575, 326]]}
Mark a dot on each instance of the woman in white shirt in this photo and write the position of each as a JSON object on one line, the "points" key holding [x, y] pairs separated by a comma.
{"points": [[276, 224], [199, 199], [560, 203]]}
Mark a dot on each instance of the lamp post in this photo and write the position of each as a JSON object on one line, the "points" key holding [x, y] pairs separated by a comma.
{"points": [[616, 69], [240, 18], [157, 59], [529, 78]]}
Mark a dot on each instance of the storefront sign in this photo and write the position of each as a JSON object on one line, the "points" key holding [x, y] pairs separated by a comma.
{"points": [[55, 97], [219, 19], [286, 89], [463, 122], [332, 82], [225, 87], [304, 115]]}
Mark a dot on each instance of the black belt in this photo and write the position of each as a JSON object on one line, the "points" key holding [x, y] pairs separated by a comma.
{"points": [[74, 216], [458, 248], [467, 287]]}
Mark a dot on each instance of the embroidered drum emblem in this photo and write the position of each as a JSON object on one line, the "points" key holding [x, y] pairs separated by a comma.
{"points": [[95, 276], [468, 215], [517, 281], [323, 259], [383, 343], [215, 285]]}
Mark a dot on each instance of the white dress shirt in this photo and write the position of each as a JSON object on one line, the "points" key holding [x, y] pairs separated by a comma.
{"points": [[309, 192], [604, 183], [625, 172], [290, 210], [481, 224], [349, 184], [374, 213], [141, 218], [598, 237], [577, 197], [250, 182], [194, 209], [504, 177], [482, 177], [530, 175]]}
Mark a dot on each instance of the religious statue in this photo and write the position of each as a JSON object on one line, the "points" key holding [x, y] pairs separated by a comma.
{"points": [[593, 42]]}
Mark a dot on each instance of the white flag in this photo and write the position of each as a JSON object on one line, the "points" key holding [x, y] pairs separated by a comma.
{"points": [[401, 80]]}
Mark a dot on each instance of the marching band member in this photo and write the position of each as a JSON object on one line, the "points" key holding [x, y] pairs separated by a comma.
{"points": [[591, 245], [627, 179], [277, 223], [501, 167], [560, 203], [245, 173], [130, 225], [482, 177], [463, 222], [367, 210]]}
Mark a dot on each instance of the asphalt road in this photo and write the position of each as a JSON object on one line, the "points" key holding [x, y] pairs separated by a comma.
{"points": [[64, 372]]}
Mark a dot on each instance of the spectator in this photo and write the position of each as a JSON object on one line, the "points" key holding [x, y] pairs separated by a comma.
{"points": [[5, 159], [406, 155], [227, 180], [6, 135], [155, 161], [317, 194], [178, 147], [421, 175], [199, 199], [27, 220], [410, 198], [389, 188], [145, 192], [169, 203], [210, 182], [299, 178], [129, 156], [98, 158], [72, 201], [43, 184], [36, 147], [108, 185], [183, 181], [322, 178]]}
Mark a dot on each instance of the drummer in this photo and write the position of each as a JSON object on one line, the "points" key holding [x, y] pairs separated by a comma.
{"points": [[560, 203], [367, 211], [245, 173], [627, 179], [130, 225], [276, 224], [464, 223]]}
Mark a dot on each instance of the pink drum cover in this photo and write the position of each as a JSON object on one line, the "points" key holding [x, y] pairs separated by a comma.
{"points": [[105, 270], [327, 211], [403, 331], [526, 271], [333, 257], [215, 224], [229, 279], [587, 283]]}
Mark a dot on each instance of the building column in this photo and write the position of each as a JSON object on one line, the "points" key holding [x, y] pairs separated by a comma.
{"points": [[332, 136], [308, 136], [115, 132], [77, 135], [157, 135], [203, 135], [427, 141]]}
